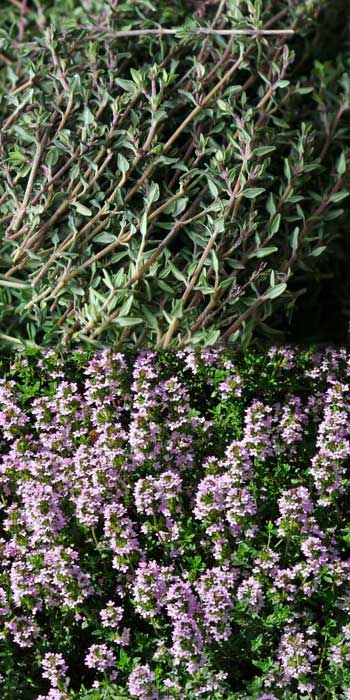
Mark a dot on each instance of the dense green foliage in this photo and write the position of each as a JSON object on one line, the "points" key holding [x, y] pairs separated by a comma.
{"points": [[166, 189]]}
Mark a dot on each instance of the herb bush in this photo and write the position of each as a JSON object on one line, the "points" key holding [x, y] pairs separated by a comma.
{"points": [[175, 525], [165, 189]]}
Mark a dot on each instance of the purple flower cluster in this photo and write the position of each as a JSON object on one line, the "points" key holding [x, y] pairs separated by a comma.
{"points": [[54, 668], [340, 651], [141, 683], [123, 517], [296, 654], [215, 591], [333, 442], [101, 658], [12, 418]]}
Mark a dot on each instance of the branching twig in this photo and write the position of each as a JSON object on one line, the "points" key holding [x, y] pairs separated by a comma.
{"points": [[164, 31]]}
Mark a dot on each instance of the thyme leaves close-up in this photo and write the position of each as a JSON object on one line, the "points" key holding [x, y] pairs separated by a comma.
{"points": [[164, 180]]}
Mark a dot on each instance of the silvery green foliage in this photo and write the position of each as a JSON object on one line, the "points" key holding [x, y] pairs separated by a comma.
{"points": [[164, 188]]}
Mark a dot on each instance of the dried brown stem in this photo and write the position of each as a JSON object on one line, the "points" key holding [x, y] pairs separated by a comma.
{"points": [[36, 162], [174, 231]]}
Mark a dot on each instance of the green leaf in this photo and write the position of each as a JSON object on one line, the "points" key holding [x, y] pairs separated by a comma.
{"points": [[262, 252], [270, 205], [294, 241], [24, 169], [215, 262], [233, 89], [136, 76], [287, 170], [219, 225], [153, 194], [75, 84], [53, 156], [125, 321], [150, 318], [207, 337], [82, 209], [165, 287], [263, 150], [177, 310], [108, 280], [127, 85], [177, 274], [318, 251], [253, 192], [76, 290], [223, 106], [143, 223], [213, 189], [275, 225], [88, 117], [341, 164], [303, 90], [332, 214], [339, 196], [24, 134], [176, 208], [189, 96], [126, 307], [104, 237], [123, 164], [275, 291], [17, 156]]}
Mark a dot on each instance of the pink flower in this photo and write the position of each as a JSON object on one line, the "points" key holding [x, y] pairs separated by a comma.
{"points": [[100, 658], [141, 683], [54, 668]]}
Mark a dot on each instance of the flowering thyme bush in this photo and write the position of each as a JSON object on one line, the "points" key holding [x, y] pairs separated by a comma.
{"points": [[168, 170], [175, 526]]}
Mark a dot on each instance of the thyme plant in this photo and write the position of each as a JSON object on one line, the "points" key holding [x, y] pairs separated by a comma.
{"points": [[165, 171]]}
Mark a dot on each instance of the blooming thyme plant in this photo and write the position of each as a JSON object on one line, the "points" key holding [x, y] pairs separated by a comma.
{"points": [[175, 525], [168, 173]]}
